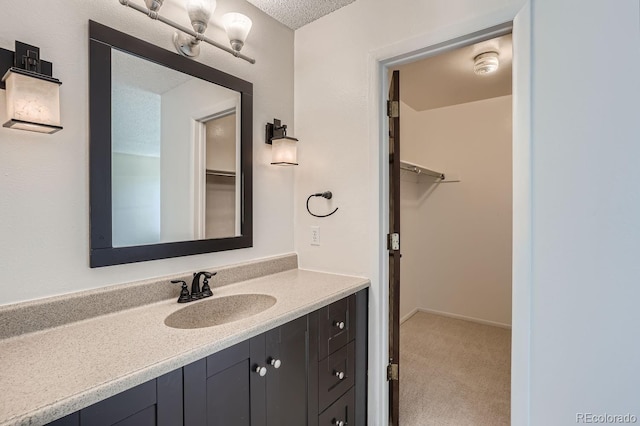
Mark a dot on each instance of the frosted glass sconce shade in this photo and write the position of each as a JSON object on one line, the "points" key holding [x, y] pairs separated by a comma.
{"points": [[285, 152], [237, 27], [32, 103], [284, 148], [32, 94]]}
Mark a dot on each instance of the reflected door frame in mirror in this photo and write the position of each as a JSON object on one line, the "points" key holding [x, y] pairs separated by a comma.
{"points": [[102, 40]]}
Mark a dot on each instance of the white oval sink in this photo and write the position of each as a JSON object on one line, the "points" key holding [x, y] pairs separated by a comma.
{"points": [[221, 310]]}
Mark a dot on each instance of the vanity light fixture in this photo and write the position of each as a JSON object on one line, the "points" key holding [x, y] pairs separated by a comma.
{"points": [[32, 94], [486, 63], [284, 152], [186, 40]]}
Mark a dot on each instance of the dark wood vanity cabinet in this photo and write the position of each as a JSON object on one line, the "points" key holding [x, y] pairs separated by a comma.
{"points": [[258, 382], [338, 363], [311, 370], [157, 402]]}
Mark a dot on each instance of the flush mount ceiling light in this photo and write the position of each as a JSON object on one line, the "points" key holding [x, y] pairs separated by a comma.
{"points": [[486, 63], [186, 40], [33, 95], [284, 152]]}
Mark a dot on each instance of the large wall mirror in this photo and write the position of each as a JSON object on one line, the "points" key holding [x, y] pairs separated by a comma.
{"points": [[170, 153]]}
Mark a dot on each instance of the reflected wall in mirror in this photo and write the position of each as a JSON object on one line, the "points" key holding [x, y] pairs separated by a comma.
{"points": [[174, 140], [170, 153]]}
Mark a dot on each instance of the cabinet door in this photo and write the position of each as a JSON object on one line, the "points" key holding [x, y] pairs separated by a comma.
{"points": [[70, 420], [154, 403], [218, 390], [337, 325], [286, 395]]}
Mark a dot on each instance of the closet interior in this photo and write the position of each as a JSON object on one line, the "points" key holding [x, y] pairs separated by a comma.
{"points": [[456, 234]]}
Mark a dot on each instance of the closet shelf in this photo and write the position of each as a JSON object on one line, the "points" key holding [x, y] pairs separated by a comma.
{"points": [[223, 173], [420, 170]]}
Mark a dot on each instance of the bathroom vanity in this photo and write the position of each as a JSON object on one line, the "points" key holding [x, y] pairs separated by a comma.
{"points": [[311, 370], [301, 361]]}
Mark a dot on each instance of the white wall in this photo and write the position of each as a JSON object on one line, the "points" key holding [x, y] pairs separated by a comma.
{"points": [[135, 181], [585, 351], [336, 107], [44, 208], [456, 236], [135, 166], [576, 320]]}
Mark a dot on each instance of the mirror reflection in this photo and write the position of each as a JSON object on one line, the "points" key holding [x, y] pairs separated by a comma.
{"points": [[175, 155]]}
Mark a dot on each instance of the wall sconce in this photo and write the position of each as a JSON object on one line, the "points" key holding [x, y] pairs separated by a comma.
{"points": [[284, 152], [186, 40], [33, 95]]}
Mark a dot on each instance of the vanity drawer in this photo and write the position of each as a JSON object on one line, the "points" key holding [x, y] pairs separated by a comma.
{"points": [[343, 410], [336, 365], [337, 325]]}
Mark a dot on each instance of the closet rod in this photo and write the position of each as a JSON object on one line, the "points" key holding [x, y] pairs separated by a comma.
{"points": [[420, 170], [220, 173]]}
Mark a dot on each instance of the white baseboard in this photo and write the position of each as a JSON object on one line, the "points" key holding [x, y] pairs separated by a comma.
{"points": [[409, 315], [456, 316]]}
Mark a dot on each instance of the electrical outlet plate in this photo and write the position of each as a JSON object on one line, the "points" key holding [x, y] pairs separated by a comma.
{"points": [[315, 235]]}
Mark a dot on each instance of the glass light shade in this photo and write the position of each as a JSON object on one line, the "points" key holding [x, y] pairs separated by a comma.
{"points": [[153, 5], [486, 63], [237, 27], [33, 103], [199, 13], [284, 151]]}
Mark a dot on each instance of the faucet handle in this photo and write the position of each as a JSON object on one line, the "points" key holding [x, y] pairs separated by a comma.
{"points": [[206, 290], [184, 292]]}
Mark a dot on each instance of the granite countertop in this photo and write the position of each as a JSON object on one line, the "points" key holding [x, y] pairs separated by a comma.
{"points": [[47, 374]]}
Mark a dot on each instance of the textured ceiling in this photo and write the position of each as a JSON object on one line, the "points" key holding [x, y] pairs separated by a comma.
{"points": [[448, 79], [296, 13]]}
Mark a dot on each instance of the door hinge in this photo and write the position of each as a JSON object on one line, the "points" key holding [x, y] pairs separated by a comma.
{"points": [[392, 372], [393, 241], [393, 109]]}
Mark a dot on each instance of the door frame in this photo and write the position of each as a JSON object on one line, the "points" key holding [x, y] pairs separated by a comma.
{"points": [[380, 61], [198, 136]]}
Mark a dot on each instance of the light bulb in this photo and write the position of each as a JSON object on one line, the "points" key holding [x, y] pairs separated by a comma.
{"points": [[237, 27], [199, 12]]}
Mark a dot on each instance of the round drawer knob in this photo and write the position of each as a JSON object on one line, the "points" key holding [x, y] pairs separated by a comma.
{"points": [[276, 363], [339, 374], [339, 324], [338, 422], [262, 371]]}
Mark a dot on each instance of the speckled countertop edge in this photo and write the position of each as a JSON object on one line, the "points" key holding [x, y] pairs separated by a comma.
{"points": [[114, 352], [31, 316]]}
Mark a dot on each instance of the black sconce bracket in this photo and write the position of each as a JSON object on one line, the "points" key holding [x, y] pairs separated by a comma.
{"points": [[25, 60], [276, 130]]}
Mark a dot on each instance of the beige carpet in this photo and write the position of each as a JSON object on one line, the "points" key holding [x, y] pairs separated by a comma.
{"points": [[453, 372]]}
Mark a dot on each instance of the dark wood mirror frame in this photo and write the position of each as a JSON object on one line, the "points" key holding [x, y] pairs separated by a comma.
{"points": [[101, 41]]}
